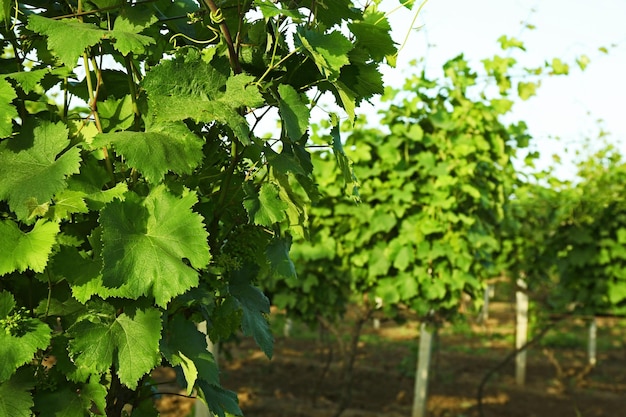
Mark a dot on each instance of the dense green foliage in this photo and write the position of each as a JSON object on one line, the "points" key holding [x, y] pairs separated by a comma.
{"points": [[433, 189], [566, 239], [136, 199]]}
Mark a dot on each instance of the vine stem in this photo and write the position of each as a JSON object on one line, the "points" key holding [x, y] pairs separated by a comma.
{"points": [[232, 54], [133, 89], [94, 111]]}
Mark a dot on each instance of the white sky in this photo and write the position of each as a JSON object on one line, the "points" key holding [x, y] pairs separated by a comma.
{"points": [[566, 107]]}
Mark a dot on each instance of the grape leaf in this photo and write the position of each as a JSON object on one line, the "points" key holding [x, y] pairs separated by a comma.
{"points": [[68, 38], [219, 400], [7, 303], [294, 112], [67, 202], [145, 244], [184, 345], [126, 31], [526, 90], [269, 9], [278, 255], [161, 148], [373, 34], [116, 114], [266, 208], [334, 12], [82, 272], [364, 80], [5, 12], [29, 80], [21, 251], [19, 347], [130, 342], [329, 51], [33, 175], [65, 402], [134, 19], [7, 110], [186, 87], [15, 397], [255, 306]]}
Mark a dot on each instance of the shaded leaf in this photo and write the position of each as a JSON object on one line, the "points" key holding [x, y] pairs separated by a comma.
{"points": [[266, 208], [256, 307], [293, 111], [15, 397], [18, 346], [130, 342], [7, 110], [328, 50]]}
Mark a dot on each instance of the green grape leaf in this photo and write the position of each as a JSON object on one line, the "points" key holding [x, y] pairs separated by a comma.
{"points": [[184, 345], [162, 148], [364, 80], [7, 110], [526, 90], [134, 20], [583, 61], [294, 112], [146, 243], [30, 80], [256, 307], [65, 402], [7, 303], [219, 400], [332, 13], [509, 43], [82, 272], [31, 176], [266, 208], [126, 31], [329, 51], [15, 397], [186, 87], [6, 7], [130, 342], [347, 98], [278, 255], [116, 114], [559, 67], [373, 34], [21, 251], [269, 9], [68, 38], [345, 167], [68, 202], [18, 346]]}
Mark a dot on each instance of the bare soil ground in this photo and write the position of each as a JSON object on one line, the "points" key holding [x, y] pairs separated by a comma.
{"points": [[559, 382]]}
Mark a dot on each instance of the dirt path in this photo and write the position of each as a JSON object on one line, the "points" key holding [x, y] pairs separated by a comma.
{"points": [[291, 384]]}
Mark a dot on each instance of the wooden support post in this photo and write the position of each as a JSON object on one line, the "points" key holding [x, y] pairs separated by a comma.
{"points": [[421, 377], [593, 330], [287, 327], [378, 304], [488, 294], [521, 332]]}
